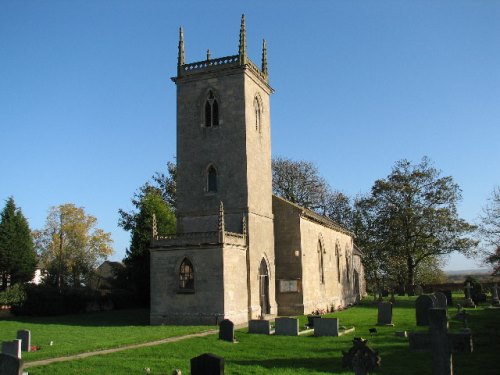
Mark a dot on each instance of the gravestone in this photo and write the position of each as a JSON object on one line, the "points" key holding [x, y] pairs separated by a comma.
{"points": [[287, 327], [442, 302], [360, 358], [10, 365], [410, 290], [440, 342], [449, 298], [468, 296], [12, 348], [384, 317], [422, 305], [418, 290], [25, 336], [207, 364], [260, 326], [311, 319], [494, 295], [226, 330], [326, 327]]}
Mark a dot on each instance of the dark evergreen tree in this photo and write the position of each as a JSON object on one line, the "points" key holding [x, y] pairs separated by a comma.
{"points": [[17, 252]]}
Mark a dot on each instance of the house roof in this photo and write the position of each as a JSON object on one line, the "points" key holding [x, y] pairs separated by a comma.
{"points": [[313, 216]]}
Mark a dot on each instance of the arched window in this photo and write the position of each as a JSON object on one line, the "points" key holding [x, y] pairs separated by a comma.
{"points": [[258, 113], [320, 261], [211, 110], [347, 265], [337, 255], [211, 179], [186, 275]]}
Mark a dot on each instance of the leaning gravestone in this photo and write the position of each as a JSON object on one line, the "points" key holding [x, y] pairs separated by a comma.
{"points": [[259, 326], [12, 348], [422, 305], [25, 336], [440, 342], [226, 330], [287, 327], [442, 302], [326, 327], [10, 365], [207, 364], [384, 317]]}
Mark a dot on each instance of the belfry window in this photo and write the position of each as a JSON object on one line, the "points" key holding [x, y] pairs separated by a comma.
{"points": [[186, 275], [211, 179], [258, 113], [211, 111]]}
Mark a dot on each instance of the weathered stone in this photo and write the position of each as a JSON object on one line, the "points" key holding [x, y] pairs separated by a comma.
{"points": [[418, 290], [226, 330], [10, 365], [287, 326], [360, 358], [326, 327], [207, 364], [422, 305], [259, 326], [384, 317], [25, 337], [442, 302]]}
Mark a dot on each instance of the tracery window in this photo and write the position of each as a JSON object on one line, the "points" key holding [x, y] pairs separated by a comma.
{"points": [[258, 113], [321, 263], [211, 179], [211, 110], [186, 275]]}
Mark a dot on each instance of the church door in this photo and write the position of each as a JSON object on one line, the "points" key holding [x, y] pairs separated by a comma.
{"points": [[264, 288]]}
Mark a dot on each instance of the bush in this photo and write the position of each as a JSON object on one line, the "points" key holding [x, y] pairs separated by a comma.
{"points": [[44, 300], [14, 295]]}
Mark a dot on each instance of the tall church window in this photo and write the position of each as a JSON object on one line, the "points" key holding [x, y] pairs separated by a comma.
{"points": [[337, 255], [321, 264], [186, 275], [258, 113], [211, 110], [347, 265], [211, 179]]}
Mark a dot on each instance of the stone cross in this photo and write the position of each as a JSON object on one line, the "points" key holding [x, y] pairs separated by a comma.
{"points": [[494, 295], [360, 358], [440, 342], [468, 300]]}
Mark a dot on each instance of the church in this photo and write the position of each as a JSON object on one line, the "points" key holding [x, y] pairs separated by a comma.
{"points": [[240, 253]]}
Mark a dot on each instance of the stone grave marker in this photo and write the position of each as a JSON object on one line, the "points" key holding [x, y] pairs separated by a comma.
{"points": [[260, 326], [326, 327], [494, 295], [311, 319], [25, 336], [410, 290], [12, 348], [226, 330], [422, 305], [442, 301], [418, 290], [440, 342], [287, 327], [449, 298], [207, 364], [360, 358], [10, 365], [468, 296], [384, 317]]}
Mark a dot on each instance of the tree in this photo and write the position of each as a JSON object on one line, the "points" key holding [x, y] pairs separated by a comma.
{"points": [[17, 251], [489, 230], [415, 217], [157, 196], [71, 246], [300, 183]]}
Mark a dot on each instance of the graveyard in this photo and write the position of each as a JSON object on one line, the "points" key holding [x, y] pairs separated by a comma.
{"points": [[255, 353]]}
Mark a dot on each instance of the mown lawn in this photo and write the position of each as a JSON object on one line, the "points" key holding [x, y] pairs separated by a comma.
{"points": [[258, 354]]}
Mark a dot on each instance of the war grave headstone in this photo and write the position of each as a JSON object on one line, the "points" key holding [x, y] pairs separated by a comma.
{"points": [[25, 336], [440, 342], [10, 365], [468, 296], [12, 348], [442, 302], [326, 327], [422, 305], [226, 330], [286, 327], [360, 358], [207, 364], [259, 326], [384, 316]]}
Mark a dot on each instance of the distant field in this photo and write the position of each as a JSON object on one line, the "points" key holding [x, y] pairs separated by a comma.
{"points": [[258, 354]]}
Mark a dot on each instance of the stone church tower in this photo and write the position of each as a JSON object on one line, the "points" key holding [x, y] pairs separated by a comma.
{"points": [[221, 262]]}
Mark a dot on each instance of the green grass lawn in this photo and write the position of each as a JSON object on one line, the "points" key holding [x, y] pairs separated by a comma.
{"points": [[259, 354]]}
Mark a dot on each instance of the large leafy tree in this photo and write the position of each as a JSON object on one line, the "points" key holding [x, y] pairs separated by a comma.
{"points": [[71, 246], [17, 251], [414, 217], [157, 197], [489, 229]]}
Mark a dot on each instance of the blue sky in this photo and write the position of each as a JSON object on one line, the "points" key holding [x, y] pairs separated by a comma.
{"points": [[87, 107]]}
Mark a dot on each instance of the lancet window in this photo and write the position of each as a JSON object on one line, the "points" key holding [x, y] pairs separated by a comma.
{"points": [[211, 110], [211, 179], [186, 275], [321, 263]]}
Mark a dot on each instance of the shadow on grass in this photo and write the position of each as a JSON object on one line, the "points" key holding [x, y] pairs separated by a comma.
{"points": [[113, 318]]}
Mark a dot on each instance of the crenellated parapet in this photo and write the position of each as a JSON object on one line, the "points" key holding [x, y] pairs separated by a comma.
{"points": [[221, 63]]}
